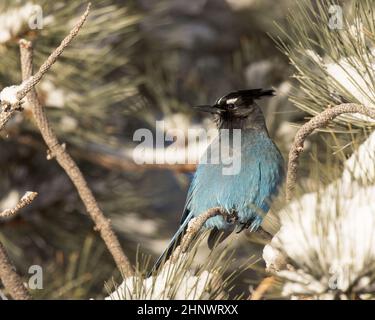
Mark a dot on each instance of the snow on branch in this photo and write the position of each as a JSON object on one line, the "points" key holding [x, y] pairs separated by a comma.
{"points": [[11, 97], [27, 198]]}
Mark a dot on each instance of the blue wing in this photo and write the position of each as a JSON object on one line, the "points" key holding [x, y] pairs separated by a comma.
{"points": [[249, 192]]}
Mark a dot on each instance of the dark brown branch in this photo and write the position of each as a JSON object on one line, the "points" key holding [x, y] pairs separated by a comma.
{"points": [[319, 121]]}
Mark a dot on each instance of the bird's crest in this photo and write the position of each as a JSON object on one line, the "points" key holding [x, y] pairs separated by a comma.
{"points": [[246, 97], [233, 100]]}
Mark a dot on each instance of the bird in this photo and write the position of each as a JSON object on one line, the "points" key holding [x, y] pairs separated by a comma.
{"points": [[248, 193]]}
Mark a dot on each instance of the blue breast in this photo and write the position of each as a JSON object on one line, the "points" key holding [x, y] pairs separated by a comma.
{"points": [[249, 192]]}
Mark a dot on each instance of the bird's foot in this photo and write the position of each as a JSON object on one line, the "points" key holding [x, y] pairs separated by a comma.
{"points": [[231, 216], [243, 225]]}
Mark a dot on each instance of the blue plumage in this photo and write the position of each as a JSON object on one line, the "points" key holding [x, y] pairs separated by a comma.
{"points": [[249, 192]]}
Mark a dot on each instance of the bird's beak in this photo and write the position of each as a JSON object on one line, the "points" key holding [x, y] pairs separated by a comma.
{"points": [[207, 108]]}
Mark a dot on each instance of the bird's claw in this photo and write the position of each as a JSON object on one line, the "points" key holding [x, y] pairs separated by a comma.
{"points": [[231, 216], [243, 226]]}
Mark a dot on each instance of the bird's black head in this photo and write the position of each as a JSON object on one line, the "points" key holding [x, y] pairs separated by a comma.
{"points": [[238, 109]]}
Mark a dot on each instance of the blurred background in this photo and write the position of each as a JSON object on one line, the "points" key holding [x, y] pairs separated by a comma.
{"points": [[133, 63]]}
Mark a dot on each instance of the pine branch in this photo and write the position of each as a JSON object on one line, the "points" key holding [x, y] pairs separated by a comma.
{"points": [[29, 84], [8, 275], [10, 278], [24, 201], [194, 226], [102, 224], [10, 102], [11, 97], [319, 121]]}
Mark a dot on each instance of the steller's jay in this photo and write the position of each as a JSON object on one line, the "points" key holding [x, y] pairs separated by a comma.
{"points": [[246, 193]]}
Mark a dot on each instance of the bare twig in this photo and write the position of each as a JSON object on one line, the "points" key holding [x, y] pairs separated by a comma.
{"points": [[31, 81], [5, 116], [262, 288], [193, 228], [102, 224], [24, 201], [9, 104], [8, 275], [316, 122], [14, 95], [10, 107], [11, 280]]}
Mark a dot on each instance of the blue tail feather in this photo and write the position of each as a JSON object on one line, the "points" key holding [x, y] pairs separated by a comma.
{"points": [[172, 244]]}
